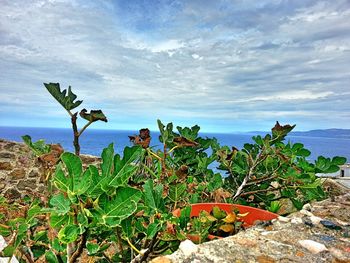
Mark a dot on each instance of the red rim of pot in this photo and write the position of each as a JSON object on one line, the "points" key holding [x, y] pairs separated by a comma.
{"points": [[254, 214]]}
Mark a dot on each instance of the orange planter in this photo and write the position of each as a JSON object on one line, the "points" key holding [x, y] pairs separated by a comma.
{"points": [[254, 214]]}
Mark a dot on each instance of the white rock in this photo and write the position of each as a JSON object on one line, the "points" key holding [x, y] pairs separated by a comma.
{"points": [[283, 219], [296, 220], [2, 246], [188, 247], [307, 207], [305, 212], [313, 246], [315, 220]]}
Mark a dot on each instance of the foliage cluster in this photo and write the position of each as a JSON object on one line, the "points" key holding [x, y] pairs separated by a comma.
{"points": [[139, 202]]}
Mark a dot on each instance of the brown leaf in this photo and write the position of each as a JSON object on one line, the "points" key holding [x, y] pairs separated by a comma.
{"points": [[183, 142], [220, 195], [142, 139], [170, 228], [177, 212], [228, 228]]}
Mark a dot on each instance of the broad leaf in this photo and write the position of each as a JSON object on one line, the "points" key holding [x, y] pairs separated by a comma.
{"points": [[153, 196], [67, 101], [177, 191], [94, 115], [68, 234], [124, 204], [60, 203]]}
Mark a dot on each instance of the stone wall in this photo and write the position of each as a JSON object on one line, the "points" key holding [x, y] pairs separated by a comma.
{"points": [[21, 172]]}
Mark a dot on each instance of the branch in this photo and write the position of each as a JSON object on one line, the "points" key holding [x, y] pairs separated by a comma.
{"points": [[80, 248], [260, 158]]}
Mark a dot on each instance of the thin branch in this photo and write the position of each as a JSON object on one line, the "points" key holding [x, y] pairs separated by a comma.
{"points": [[80, 248], [28, 256], [84, 128], [259, 159]]}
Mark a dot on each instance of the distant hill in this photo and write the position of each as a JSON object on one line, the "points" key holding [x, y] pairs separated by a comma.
{"points": [[330, 133]]}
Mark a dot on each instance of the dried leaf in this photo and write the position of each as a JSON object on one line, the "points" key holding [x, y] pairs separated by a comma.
{"points": [[228, 228], [220, 195], [170, 228], [230, 218], [94, 115], [183, 142]]}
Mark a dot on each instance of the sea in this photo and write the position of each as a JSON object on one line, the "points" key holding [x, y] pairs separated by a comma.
{"points": [[93, 141]]}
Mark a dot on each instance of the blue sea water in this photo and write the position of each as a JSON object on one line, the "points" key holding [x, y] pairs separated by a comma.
{"points": [[93, 141]]}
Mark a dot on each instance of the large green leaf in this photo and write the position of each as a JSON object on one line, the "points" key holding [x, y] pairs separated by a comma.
{"points": [[176, 192], [68, 234], [76, 182], [60, 203], [153, 196], [123, 167], [67, 101], [124, 204], [94, 115]]}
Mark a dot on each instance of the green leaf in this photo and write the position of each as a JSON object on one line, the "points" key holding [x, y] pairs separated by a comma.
{"points": [[32, 212], [57, 221], [8, 251], [50, 257], [39, 147], [124, 168], [303, 152], [124, 204], [153, 196], [177, 191], [76, 182], [152, 230], [94, 115], [127, 227], [279, 132], [60, 203], [67, 101], [337, 160], [92, 248], [68, 234]]}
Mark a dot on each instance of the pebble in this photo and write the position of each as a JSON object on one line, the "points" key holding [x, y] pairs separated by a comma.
{"points": [[188, 247], [338, 254], [315, 219], [283, 219], [307, 207], [330, 225], [296, 220], [305, 212], [313, 246], [308, 222]]}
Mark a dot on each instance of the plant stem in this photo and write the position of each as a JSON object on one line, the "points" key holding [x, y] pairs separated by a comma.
{"points": [[80, 248], [133, 247], [75, 134], [84, 128]]}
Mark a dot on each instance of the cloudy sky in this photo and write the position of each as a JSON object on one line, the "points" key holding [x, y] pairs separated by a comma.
{"points": [[225, 65]]}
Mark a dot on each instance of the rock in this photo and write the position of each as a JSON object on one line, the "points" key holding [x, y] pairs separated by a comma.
{"points": [[162, 259], [12, 194], [305, 212], [307, 207], [33, 173], [5, 166], [265, 259], [283, 219], [312, 246], [188, 247], [308, 222], [315, 219], [338, 254], [7, 155], [330, 225], [28, 183], [296, 220], [18, 173]]}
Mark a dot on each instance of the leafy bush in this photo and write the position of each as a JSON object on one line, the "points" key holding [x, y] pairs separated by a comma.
{"points": [[138, 203]]}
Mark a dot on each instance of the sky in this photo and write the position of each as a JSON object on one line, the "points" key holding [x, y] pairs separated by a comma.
{"points": [[224, 65]]}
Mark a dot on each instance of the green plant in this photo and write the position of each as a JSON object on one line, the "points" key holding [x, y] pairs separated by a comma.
{"points": [[69, 102], [269, 170], [138, 203], [39, 147]]}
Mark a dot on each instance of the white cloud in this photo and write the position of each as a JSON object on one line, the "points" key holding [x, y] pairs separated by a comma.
{"points": [[188, 60]]}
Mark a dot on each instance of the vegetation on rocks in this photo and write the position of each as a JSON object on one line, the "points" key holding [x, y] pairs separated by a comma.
{"points": [[135, 206]]}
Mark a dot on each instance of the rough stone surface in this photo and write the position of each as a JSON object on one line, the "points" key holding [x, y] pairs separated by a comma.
{"points": [[22, 173], [284, 241]]}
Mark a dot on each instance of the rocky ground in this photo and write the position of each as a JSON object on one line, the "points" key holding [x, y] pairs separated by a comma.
{"points": [[318, 233]]}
